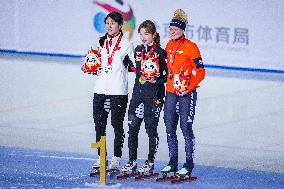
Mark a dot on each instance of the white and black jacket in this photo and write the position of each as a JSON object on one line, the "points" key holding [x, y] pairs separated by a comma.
{"points": [[116, 82]]}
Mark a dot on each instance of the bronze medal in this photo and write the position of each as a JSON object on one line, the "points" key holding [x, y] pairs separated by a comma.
{"points": [[170, 75], [172, 52]]}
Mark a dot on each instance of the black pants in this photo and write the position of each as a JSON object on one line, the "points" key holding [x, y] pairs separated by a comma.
{"points": [[117, 104], [149, 109]]}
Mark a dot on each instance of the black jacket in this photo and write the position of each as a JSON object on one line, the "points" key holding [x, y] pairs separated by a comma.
{"points": [[150, 90]]}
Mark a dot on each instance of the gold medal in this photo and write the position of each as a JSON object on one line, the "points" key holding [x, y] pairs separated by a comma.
{"points": [[142, 80], [157, 101]]}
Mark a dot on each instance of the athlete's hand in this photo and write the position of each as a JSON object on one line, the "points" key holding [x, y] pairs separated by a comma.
{"points": [[151, 81], [182, 93], [83, 68]]}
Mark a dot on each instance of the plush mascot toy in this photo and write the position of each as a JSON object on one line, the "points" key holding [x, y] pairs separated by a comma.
{"points": [[93, 62], [150, 68], [181, 82]]}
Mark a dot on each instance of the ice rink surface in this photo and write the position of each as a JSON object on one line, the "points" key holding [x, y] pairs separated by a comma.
{"points": [[46, 105], [22, 168]]}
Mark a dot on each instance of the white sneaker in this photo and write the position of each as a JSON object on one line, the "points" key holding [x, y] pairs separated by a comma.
{"points": [[147, 167], [114, 163], [168, 169], [96, 165], [131, 166], [184, 172]]}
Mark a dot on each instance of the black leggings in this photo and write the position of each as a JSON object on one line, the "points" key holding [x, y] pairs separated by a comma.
{"points": [[117, 104], [149, 110]]}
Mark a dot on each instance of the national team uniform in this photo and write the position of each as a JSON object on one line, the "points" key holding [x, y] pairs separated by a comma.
{"points": [[185, 72], [147, 98], [111, 89]]}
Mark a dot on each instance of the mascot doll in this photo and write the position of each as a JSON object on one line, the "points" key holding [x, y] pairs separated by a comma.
{"points": [[150, 68], [181, 81], [93, 62]]}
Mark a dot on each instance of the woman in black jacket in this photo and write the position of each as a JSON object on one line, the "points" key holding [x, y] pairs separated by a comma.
{"points": [[147, 97]]}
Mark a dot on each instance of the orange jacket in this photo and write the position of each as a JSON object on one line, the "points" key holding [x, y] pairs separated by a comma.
{"points": [[187, 61]]}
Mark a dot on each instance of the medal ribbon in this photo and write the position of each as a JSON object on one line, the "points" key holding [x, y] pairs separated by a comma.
{"points": [[173, 53], [150, 52], [110, 56]]}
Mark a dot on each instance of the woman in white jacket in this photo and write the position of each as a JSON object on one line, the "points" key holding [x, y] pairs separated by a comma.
{"points": [[111, 85]]}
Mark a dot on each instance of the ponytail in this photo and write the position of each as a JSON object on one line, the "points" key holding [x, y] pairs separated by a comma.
{"points": [[157, 39], [102, 40]]}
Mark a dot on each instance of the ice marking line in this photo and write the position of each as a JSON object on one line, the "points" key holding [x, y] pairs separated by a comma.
{"points": [[65, 157], [29, 155]]}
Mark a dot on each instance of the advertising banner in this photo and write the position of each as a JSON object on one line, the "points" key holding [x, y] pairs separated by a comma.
{"points": [[229, 33]]}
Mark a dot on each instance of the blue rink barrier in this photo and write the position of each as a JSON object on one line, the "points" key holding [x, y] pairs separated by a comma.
{"points": [[223, 67], [26, 168]]}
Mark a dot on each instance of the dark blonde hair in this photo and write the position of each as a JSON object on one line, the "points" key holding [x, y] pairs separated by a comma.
{"points": [[151, 28]]}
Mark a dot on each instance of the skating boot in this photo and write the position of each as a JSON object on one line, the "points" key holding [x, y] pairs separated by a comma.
{"points": [[128, 170], [146, 171], [114, 163], [96, 165], [184, 172], [169, 169], [148, 167], [184, 175], [131, 166], [96, 168]]}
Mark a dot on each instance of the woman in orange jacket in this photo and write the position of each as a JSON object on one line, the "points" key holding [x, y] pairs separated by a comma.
{"points": [[185, 72]]}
